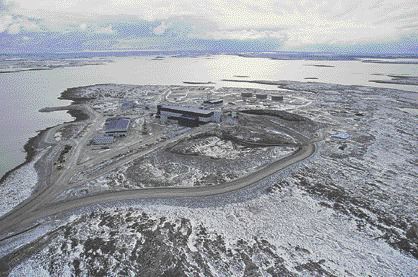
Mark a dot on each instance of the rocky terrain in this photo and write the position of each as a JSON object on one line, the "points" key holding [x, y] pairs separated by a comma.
{"points": [[350, 210]]}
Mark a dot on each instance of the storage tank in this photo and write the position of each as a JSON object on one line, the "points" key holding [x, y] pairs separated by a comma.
{"points": [[277, 98], [246, 94], [261, 96]]}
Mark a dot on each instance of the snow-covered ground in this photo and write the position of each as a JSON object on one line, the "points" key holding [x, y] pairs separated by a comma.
{"points": [[217, 148], [18, 186], [283, 233], [348, 211], [58, 136], [205, 165]]}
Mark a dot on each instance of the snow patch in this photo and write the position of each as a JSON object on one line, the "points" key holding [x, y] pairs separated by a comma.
{"points": [[18, 186], [30, 268]]}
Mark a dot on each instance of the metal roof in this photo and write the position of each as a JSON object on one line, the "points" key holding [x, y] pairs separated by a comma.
{"points": [[186, 109], [117, 124], [103, 140]]}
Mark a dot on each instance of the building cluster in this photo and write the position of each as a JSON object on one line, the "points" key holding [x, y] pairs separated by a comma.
{"points": [[187, 116]]}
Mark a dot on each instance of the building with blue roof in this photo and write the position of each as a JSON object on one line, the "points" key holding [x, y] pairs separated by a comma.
{"points": [[117, 126]]}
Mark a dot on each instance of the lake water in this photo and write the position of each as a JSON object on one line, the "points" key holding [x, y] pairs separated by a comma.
{"points": [[22, 94]]}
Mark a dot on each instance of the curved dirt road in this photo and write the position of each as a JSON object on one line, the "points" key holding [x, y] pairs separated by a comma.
{"points": [[31, 217]]}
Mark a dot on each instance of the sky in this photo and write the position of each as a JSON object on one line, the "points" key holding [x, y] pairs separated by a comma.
{"points": [[356, 26]]}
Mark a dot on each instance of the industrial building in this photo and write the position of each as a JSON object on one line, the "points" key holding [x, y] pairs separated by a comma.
{"points": [[277, 98], [261, 96], [117, 126], [187, 116], [101, 139]]}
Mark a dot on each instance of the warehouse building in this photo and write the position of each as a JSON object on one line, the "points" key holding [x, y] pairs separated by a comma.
{"points": [[117, 126], [187, 116]]}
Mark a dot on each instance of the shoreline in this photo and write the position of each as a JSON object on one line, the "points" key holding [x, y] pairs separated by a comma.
{"points": [[30, 150], [35, 142]]}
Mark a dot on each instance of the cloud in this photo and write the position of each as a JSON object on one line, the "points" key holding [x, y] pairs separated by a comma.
{"points": [[292, 25], [14, 24]]}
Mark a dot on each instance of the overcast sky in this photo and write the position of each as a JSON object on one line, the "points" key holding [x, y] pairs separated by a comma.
{"points": [[240, 25]]}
